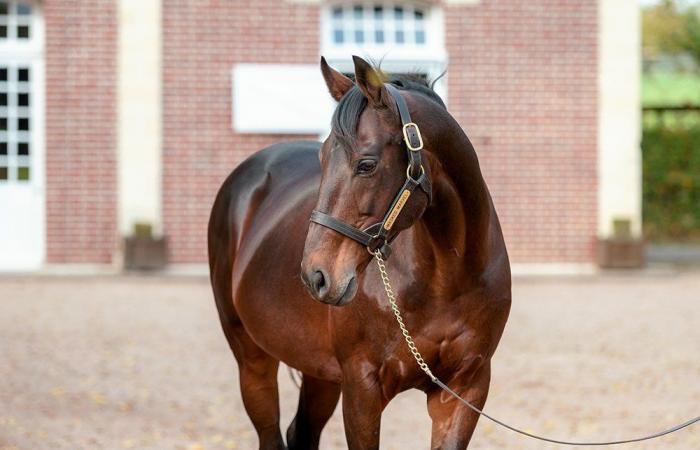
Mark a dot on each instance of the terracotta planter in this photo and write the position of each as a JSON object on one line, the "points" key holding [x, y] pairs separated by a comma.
{"points": [[621, 253], [145, 253]]}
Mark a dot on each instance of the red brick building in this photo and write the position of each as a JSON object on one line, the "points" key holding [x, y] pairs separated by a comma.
{"points": [[140, 109]]}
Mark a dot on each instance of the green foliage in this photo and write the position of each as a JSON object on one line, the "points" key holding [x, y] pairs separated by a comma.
{"points": [[662, 29], [671, 27], [671, 180], [671, 140], [690, 37]]}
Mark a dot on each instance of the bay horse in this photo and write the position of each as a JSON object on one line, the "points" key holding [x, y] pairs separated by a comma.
{"points": [[449, 265]]}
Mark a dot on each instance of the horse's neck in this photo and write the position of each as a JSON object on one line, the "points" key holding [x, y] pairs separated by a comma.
{"points": [[458, 220]]}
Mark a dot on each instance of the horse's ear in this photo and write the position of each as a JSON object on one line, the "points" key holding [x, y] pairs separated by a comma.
{"points": [[370, 83], [338, 84]]}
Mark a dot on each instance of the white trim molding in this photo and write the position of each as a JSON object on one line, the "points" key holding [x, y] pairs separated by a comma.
{"points": [[139, 115], [280, 99], [619, 123], [79, 270], [553, 269]]}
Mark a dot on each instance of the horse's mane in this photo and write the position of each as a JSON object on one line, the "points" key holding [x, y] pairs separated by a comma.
{"points": [[347, 114]]}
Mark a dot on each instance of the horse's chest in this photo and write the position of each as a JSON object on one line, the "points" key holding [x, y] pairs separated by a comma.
{"points": [[369, 338], [399, 371], [451, 351]]}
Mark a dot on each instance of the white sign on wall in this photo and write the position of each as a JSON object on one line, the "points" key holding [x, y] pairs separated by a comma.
{"points": [[280, 99]]}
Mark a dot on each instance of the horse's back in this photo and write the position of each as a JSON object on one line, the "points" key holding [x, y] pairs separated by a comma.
{"points": [[290, 167]]}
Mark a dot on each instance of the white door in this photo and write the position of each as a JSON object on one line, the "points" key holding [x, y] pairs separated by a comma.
{"points": [[22, 216]]}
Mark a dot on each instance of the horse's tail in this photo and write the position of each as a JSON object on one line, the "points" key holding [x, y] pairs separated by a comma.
{"points": [[295, 375]]}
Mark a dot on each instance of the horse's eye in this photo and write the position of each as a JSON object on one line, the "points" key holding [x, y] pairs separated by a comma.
{"points": [[366, 166]]}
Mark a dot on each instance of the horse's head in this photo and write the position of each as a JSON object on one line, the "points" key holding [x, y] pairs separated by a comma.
{"points": [[363, 165]]}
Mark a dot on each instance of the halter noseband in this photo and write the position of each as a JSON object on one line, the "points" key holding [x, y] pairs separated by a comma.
{"points": [[376, 236]]}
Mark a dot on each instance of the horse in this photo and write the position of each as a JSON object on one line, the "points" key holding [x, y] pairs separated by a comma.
{"points": [[305, 292]]}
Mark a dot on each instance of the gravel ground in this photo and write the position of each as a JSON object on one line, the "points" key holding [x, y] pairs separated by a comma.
{"points": [[140, 362]]}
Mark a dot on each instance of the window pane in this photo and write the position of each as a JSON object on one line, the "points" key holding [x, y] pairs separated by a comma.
{"points": [[3, 148], [3, 31], [23, 31], [22, 148], [379, 36], [23, 124], [24, 9], [3, 8], [3, 123], [23, 173], [3, 99], [359, 36], [367, 23], [23, 74], [23, 99], [3, 173], [3, 74], [357, 12]]}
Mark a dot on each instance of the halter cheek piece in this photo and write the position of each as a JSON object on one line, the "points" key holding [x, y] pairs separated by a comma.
{"points": [[377, 236]]}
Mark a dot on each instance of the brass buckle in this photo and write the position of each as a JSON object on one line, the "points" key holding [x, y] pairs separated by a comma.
{"points": [[408, 141], [420, 177]]}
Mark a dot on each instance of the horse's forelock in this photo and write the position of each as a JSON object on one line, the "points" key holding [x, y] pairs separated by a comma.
{"points": [[347, 116]]}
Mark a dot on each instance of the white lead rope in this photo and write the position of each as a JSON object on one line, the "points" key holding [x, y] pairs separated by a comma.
{"points": [[424, 366]]}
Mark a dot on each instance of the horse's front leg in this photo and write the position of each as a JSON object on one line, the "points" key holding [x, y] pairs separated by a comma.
{"points": [[362, 408], [453, 421]]}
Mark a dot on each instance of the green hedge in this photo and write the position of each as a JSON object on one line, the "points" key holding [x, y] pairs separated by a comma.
{"points": [[671, 180]]}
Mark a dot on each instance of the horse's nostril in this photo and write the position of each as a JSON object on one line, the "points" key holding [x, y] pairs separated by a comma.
{"points": [[318, 281]]}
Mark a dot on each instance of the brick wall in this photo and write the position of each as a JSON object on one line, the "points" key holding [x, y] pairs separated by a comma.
{"points": [[522, 82], [80, 130], [201, 45]]}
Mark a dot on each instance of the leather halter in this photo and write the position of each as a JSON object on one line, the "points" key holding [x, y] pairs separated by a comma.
{"points": [[377, 236]]}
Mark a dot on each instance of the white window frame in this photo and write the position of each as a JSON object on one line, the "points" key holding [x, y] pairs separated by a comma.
{"points": [[429, 58], [29, 53]]}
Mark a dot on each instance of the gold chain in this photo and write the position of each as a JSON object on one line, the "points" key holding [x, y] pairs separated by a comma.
{"points": [[395, 308]]}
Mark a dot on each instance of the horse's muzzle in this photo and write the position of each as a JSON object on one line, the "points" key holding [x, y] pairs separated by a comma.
{"points": [[321, 288]]}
